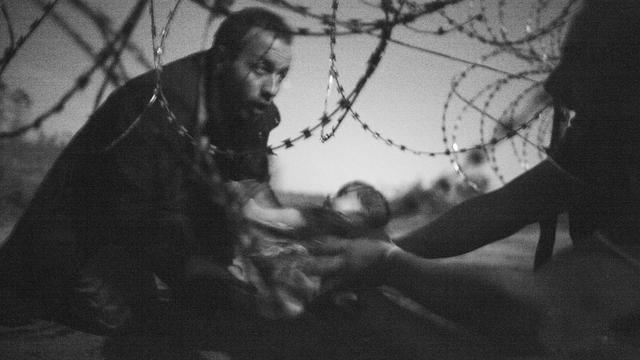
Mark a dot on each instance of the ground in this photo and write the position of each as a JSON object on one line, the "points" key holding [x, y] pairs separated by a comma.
{"points": [[382, 330]]}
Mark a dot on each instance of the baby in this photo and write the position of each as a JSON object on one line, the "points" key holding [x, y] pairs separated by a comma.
{"points": [[272, 254]]}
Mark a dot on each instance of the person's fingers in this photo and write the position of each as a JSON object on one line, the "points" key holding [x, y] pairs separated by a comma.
{"points": [[327, 246], [332, 284], [324, 265]]}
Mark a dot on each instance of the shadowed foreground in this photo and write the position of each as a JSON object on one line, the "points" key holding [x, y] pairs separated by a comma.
{"points": [[379, 329]]}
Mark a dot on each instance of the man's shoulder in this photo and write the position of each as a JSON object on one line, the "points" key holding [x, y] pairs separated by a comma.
{"points": [[186, 70], [125, 104], [182, 70]]}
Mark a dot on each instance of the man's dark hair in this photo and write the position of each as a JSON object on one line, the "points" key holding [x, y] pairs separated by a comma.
{"points": [[375, 205], [231, 35]]}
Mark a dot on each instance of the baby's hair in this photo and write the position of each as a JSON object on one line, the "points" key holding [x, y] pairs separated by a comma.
{"points": [[375, 206]]}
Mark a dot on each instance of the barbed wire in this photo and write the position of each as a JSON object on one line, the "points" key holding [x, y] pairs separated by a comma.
{"points": [[109, 52], [502, 41], [347, 101], [15, 45], [7, 17], [115, 78], [476, 25], [542, 61], [102, 23], [83, 80], [492, 89], [333, 77], [453, 26], [157, 95], [344, 106]]}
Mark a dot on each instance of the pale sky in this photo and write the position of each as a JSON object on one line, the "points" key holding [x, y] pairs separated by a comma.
{"points": [[404, 99]]}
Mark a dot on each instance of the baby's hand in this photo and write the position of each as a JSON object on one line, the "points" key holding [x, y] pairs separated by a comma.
{"points": [[251, 210], [361, 260]]}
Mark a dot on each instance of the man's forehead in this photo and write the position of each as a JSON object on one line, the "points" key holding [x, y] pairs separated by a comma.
{"points": [[261, 43]]}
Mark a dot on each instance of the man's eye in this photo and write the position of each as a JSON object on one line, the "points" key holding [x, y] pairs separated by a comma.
{"points": [[260, 69]]}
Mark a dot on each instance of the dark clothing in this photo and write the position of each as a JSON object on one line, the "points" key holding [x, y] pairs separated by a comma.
{"points": [[144, 193], [599, 78]]}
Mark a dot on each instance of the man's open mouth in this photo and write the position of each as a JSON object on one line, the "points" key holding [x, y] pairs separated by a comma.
{"points": [[259, 106]]}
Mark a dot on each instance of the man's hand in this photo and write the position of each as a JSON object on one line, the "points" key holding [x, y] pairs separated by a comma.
{"points": [[353, 260]]}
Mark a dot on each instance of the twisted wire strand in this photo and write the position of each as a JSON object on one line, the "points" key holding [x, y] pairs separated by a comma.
{"points": [[83, 80], [16, 45]]}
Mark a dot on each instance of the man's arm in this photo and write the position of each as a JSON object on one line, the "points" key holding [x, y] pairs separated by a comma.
{"points": [[280, 218], [539, 193], [259, 204], [484, 297], [479, 295]]}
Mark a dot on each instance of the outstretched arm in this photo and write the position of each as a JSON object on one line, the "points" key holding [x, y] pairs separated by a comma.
{"points": [[260, 206], [277, 217], [459, 290], [539, 193]]}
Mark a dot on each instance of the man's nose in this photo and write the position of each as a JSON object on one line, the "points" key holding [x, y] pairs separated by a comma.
{"points": [[271, 86]]}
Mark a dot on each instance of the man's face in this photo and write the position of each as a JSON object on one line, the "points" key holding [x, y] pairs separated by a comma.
{"points": [[253, 78]]}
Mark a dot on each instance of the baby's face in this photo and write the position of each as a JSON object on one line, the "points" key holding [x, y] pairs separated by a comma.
{"points": [[346, 204]]}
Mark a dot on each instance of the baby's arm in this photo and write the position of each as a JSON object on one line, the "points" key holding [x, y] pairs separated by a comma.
{"points": [[305, 222], [279, 218]]}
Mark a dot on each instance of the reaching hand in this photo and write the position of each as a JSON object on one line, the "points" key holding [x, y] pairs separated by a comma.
{"points": [[355, 260]]}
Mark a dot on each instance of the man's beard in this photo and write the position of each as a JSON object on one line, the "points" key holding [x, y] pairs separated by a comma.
{"points": [[233, 108]]}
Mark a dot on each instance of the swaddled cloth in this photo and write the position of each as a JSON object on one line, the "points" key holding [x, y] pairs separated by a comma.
{"points": [[272, 252], [276, 267]]}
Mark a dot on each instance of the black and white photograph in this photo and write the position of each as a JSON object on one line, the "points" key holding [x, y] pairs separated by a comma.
{"points": [[319, 179]]}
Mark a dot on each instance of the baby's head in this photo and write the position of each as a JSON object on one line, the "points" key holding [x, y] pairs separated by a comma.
{"points": [[361, 202]]}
